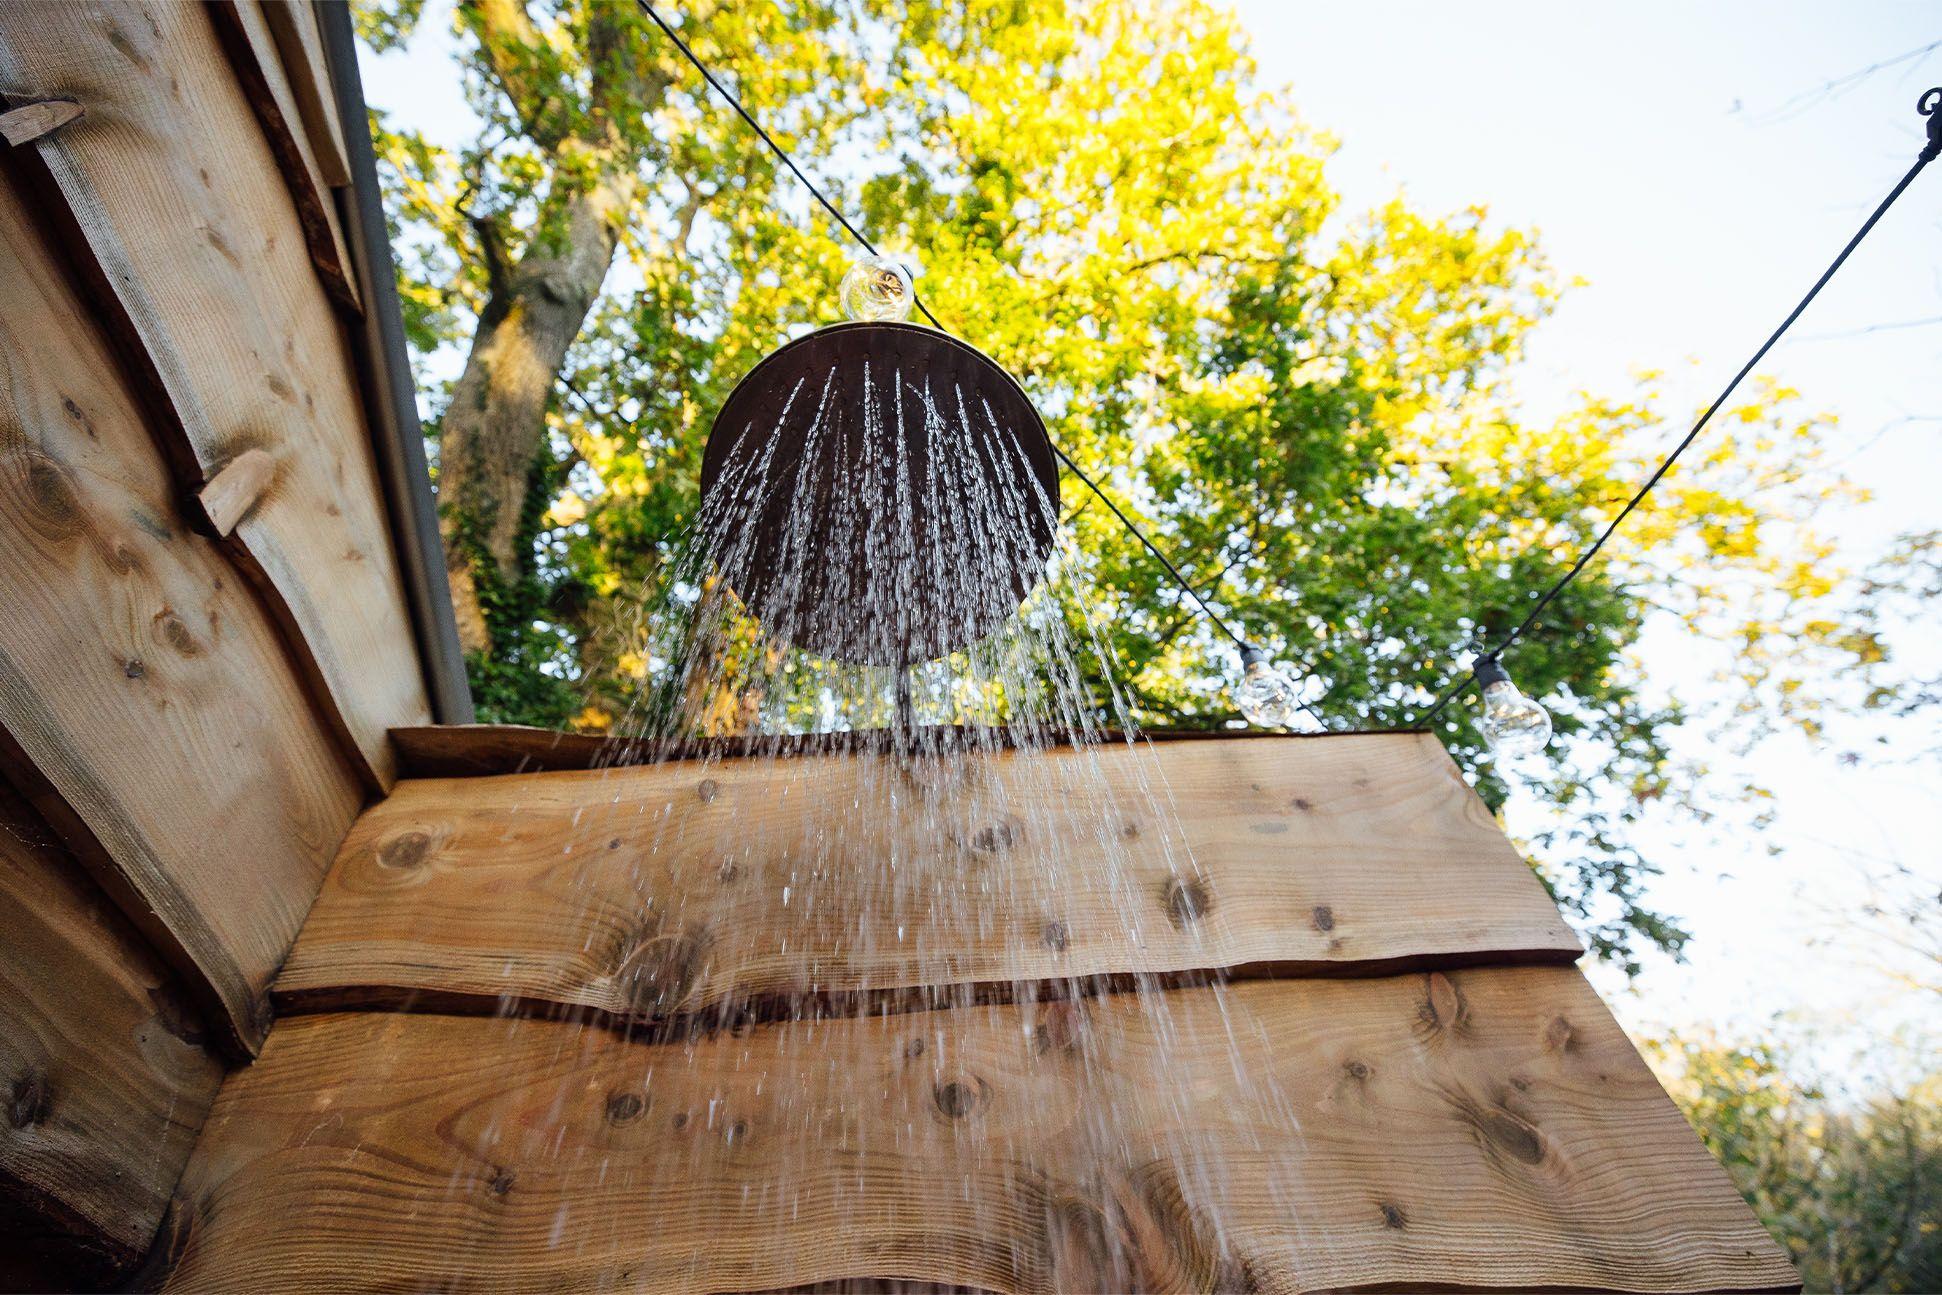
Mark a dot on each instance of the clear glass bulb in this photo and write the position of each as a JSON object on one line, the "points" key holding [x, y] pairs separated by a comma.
{"points": [[1512, 724], [1269, 698], [876, 288]]}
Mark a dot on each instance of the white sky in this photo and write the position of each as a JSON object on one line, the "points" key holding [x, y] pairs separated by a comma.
{"points": [[1671, 155]]}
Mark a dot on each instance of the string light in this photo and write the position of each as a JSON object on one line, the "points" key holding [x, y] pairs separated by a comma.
{"points": [[1271, 698], [1511, 723], [877, 288], [1487, 671]]}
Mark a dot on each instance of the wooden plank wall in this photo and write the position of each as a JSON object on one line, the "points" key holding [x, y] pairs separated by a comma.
{"points": [[1488, 1130], [151, 704], [850, 1019], [106, 1071], [174, 201], [203, 637]]}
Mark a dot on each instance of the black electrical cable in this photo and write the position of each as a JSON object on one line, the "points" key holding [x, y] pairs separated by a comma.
{"points": [[781, 154], [1930, 106], [870, 247]]}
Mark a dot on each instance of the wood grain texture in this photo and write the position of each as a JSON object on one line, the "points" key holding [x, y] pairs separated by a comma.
{"points": [[1485, 1130], [174, 200], [257, 60], [737, 885], [105, 1074], [142, 686]]}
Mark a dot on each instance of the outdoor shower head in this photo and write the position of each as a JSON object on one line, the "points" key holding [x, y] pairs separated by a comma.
{"points": [[880, 493]]}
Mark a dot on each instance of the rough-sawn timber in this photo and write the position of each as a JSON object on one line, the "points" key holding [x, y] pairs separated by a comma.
{"points": [[722, 888], [1482, 1130]]}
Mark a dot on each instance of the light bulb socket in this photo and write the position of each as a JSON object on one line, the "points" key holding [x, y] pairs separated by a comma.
{"points": [[1489, 671], [1251, 654]]}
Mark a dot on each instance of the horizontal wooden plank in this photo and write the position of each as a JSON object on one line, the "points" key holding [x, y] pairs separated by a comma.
{"points": [[173, 200], [106, 1069], [751, 885], [1487, 1130], [476, 750], [148, 699]]}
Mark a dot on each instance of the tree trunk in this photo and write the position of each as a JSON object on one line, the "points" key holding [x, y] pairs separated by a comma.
{"points": [[492, 430]]}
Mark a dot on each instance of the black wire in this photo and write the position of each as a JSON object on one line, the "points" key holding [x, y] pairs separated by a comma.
{"points": [[857, 234], [1449, 694], [781, 154]]}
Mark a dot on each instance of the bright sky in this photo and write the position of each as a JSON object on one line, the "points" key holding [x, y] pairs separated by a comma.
{"points": [[1678, 158]]}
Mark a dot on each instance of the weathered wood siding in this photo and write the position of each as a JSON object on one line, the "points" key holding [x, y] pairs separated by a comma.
{"points": [[712, 886], [174, 203], [1485, 1130], [149, 703], [106, 1071], [203, 636], [842, 1019]]}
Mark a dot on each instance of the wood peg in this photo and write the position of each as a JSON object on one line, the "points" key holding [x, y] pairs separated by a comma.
{"points": [[232, 492], [29, 122]]}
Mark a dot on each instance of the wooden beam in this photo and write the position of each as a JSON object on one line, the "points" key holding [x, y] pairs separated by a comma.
{"points": [[1486, 1130], [105, 1071], [172, 201], [475, 750], [143, 690], [721, 888]]}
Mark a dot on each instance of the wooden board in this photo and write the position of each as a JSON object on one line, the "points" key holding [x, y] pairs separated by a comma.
{"points": [[748, 885], [106, 1072], [174, 201], [257, 61], [1486, 1130], [143, 688], [300, 48], [472, 750]]}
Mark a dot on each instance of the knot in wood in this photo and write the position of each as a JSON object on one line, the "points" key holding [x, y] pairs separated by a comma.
{"points": [[53, 502], [173, 633], [956, 1099], [625, 1108], [29, 1101], [405, 850], [1186, 900]]}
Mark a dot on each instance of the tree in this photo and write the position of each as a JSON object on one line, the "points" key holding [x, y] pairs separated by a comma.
{"points": [[1313, 410], [1851, 1186]]}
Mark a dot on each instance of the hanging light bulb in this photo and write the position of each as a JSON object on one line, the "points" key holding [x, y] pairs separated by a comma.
{"points": [[876, 288], [1269, 698], [1512, 724]]}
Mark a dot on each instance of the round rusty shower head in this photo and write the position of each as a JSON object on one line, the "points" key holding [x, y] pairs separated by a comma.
{"points": [[880, 493]]}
